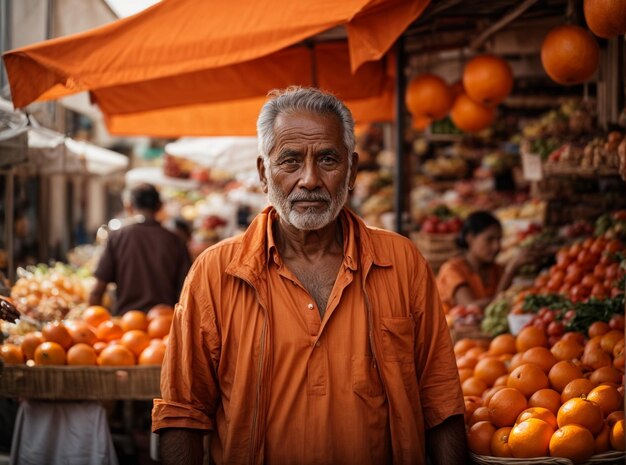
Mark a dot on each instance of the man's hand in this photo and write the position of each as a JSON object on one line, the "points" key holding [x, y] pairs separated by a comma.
{"points": [[446, 443], [8, 311], [181, 446]]}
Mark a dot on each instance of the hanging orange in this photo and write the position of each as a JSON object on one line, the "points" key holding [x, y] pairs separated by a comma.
{"points": [[570, 54], [606, 18], [488, 80], [470, 116], [428, 96]]}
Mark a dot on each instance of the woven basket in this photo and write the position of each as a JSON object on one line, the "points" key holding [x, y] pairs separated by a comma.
{"points": [[80, 383], [608, 458]]}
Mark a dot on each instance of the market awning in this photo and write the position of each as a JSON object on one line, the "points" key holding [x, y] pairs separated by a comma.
{"points": [[188, 54]]}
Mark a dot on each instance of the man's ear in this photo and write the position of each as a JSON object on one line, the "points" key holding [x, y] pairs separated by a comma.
{"points": [[353, 169], [260, 166]]}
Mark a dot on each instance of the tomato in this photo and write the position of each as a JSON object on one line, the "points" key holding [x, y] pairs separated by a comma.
{"points": [[549, 317], [430, 226], [589, 281], [617, 322], [578, 293], [612, 271], [615, 292], [587, 243], [563, 259], [613, 246], [599, 291], [443, 228], [574, 274], [598, 246], [565, 288], [599, 271], [538, 323], [556, 328], [574, 250]]}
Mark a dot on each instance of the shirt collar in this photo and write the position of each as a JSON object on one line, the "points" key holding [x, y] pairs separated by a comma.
{"points": [[350, 253]]}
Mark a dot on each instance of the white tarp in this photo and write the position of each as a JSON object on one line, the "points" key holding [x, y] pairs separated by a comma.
{"points": [[236, 155], [52, 152]]}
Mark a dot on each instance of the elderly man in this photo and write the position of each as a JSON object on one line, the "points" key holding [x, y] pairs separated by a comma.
{"points": [[311, 338]]}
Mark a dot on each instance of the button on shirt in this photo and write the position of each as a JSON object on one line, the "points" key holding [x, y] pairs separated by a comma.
{"points": [[323, 366]]}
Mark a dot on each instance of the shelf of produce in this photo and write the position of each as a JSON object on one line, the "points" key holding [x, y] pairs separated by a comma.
{"points": [[562, 169], [80, 382]]}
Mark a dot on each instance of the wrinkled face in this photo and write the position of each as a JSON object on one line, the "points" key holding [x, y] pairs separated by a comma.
{"points": [[486, 245], [308, 176]]}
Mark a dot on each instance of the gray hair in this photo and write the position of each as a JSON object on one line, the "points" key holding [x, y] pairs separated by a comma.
{"points": [[296, 99]]}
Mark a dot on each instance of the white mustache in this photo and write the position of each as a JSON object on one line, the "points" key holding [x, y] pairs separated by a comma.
{"points": [[308, 197]]}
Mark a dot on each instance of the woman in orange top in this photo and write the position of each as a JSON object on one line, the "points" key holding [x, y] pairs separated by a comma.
{"points": [[474, 277]]}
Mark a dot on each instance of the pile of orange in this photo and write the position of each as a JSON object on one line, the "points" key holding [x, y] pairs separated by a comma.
{"points": [[96, 339], [523, 399]]}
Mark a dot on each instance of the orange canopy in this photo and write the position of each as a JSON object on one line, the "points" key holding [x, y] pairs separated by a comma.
{"points": [[177, 63]]}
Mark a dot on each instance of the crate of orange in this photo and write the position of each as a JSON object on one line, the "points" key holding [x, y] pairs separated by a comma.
{"points": [[94, 357], [530, 401]]}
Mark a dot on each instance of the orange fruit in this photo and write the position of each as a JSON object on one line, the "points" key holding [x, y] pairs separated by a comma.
{"points": [[159, 310], [134, 319], [489, 369], [464, 373], [607, 397], [530, 337], [572, 442], [428, 96], [471, 404], [475, 352], [606, 375], [596, 358], [566, 350], [546, 398], [616, 435], [57, 332], [480, 414], [540, 413], [466, 362], [570, 55], [470, 116], [108, 331], [598, 328], [479, 437], [577, 388], [562, 373], [500, 442], [152, 355], [81, 332], [602, 442], [578, 338], [99, 346], [11, 354], [488, 394], [116, 355], [615, 417], [541, 357], [582, 412], [530, 438], [30, 341], [473, 386], [502, 344], [49, 353], [610, 340], [593, 344], [81, 354], [160, 326], [528, 379], [505, 406], [618, 348], [487, 79], [95, 315], [605, 18], [516, 361], [501, 381], [136, 341]]}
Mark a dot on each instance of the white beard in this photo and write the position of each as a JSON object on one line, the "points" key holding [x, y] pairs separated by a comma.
{"points": [[310, 220]]}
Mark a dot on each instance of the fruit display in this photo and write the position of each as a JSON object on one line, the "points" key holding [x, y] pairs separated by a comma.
{"points": [[601, 152], [95, 338], [526, 399], [445, 168], [441, 220], [48, 293]]}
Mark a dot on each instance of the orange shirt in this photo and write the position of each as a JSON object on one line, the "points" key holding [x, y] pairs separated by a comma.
{"points": [[456, 272], [249, 359]]}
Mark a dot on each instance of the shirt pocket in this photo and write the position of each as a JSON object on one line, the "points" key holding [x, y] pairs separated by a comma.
{"points": [[365, 378], [398, 339]]}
